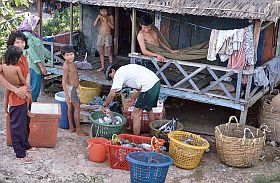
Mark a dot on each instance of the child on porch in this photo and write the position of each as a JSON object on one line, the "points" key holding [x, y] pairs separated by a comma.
{"points": [[70, 82], [106, 24], [15, 70]]}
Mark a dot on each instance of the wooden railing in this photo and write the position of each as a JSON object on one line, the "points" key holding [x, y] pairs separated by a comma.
{"points": [[189, 70], [54, 57]]}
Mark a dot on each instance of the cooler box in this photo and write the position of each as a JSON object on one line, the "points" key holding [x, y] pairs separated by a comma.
{"points": [[63, 122], [43, 124]]}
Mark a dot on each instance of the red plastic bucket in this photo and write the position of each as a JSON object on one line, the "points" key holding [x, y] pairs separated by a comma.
{"points": [[97, 149]]}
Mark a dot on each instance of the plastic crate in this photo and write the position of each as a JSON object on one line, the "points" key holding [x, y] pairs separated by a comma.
{"points": [[148, 167], [159, 113], [117, 154], [105, 130]]}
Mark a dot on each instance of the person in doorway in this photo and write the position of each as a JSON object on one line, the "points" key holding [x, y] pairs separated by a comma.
{"points": [[140, 78], [106, 24], [36, 54], [19, 121], [148, 35], [70, 82]]}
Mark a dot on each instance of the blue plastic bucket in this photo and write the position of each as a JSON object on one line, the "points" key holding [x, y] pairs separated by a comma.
{"points": [[63, 122]]}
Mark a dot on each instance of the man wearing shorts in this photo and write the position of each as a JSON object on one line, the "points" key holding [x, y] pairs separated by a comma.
{"points": [[143, 80]]}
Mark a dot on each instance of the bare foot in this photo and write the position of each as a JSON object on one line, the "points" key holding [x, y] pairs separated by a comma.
{"points": [[81, 133], [100, 69], [26, 160], [72, 130]]}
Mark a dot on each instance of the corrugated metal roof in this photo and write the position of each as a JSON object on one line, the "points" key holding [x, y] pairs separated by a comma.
{"points": [[266, 10]]}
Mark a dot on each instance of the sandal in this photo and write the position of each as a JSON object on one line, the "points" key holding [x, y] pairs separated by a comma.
{"points": [[26, 160], [32, 149]]}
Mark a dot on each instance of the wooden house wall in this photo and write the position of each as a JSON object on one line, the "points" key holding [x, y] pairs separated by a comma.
{"points": [[90, 33], [182, 34]]}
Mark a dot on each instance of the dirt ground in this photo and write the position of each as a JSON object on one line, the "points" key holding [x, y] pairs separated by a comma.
{"points": [[69, 157]]}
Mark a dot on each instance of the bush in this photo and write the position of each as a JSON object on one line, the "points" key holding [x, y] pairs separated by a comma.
{"points": [[60, 22]]}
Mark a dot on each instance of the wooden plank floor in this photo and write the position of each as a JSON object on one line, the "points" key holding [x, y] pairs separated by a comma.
{"points": [[91, 75]]}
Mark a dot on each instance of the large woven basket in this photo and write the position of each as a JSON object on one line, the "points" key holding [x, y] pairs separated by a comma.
{"points": [[239, 145], [186, 155], [270, 116]]}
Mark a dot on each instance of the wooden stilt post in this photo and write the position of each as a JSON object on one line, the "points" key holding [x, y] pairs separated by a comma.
{"points": [[257, 32], [71, 23], [243, 116], [40, 15], [133, 34], [116, 40]]}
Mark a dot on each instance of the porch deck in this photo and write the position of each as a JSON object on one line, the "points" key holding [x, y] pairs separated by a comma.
{"points": [[187, 80], [196, 81], [90, 75]]}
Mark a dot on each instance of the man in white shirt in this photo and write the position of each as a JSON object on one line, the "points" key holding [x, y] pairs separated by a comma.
{"points": [[137, 77]]}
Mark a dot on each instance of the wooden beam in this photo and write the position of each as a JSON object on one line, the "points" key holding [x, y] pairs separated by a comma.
{"points": [[116, 34], [257, 32], [243, 116], [40, 15], [133, 34], [238, 86], [278, 41], [190, 76], [71, 22]]}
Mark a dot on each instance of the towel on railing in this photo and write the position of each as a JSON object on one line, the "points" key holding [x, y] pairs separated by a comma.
{"points": [[190, 53]]}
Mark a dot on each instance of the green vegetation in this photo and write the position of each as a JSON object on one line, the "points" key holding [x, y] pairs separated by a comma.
{"points": [[60, 22], [8, 21]]}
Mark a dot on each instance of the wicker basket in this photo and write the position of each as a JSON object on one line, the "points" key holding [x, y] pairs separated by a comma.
{"points": [[239, 145], [270, 116], [186, 155], [154, 125]]}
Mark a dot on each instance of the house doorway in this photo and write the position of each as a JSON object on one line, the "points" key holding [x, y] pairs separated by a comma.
{"points": [[124, 32]]}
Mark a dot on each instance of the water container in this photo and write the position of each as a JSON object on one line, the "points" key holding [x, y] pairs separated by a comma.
{"points": [[63, 122]]}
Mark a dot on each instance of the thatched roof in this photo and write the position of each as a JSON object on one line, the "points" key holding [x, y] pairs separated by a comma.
{"points": [[266, 10]]}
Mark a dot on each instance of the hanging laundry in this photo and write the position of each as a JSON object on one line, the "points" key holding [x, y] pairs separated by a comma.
{"points": [[224, 42], [260, 79], [237, 59], [249, 45], [273, 68]]}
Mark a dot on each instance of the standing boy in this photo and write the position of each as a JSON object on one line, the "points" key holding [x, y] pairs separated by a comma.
{"points": [[106, 24], [70, 82]]}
